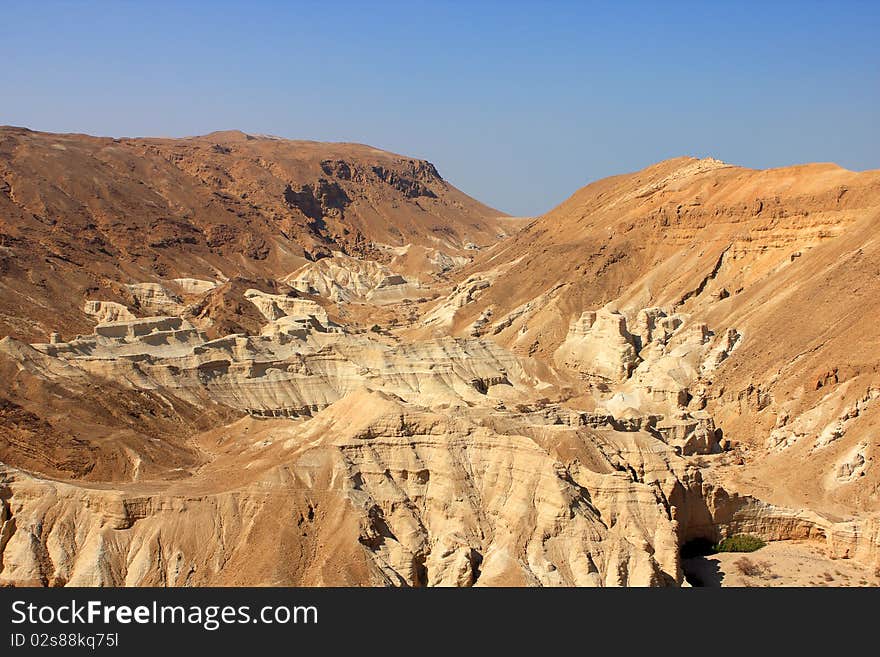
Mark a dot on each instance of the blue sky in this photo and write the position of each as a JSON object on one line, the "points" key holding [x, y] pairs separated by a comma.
{"points": [[518, 104]]}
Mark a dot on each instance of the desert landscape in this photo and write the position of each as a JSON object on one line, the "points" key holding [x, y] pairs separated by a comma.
{"points": [[236, 359]]}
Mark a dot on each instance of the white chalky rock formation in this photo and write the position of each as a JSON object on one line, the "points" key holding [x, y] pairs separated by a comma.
{"points": [[194, 285], [107, 311], [343, 278], [599, 344], [156, 299], [276, 306]]}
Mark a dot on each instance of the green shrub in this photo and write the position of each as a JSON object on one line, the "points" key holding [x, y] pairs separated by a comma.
{"points": [[740, 543]]}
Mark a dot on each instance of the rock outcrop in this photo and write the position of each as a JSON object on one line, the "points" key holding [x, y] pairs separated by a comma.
{"points": [[599, 344]]}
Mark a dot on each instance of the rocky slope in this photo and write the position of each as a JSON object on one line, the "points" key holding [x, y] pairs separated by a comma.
{"points": [[79, 215], [749, 296], [389, 391]]}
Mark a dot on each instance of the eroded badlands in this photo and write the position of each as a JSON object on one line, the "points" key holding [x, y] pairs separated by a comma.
{"points": [[562, 401]]}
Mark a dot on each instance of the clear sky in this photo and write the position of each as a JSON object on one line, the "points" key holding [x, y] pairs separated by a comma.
{"points": [[518, 104]]}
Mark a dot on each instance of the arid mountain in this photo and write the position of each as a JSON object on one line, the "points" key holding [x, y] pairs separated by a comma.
{"points": [[79, 215], [320, 364], [784, 264]]}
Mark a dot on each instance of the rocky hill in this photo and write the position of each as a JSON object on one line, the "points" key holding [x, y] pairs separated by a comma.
{"points": [[80, 215], [770, 276]]}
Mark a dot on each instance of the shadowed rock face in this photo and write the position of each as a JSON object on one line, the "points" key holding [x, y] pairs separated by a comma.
{"points": [[413, 178], [319, 364], [318, 200]]}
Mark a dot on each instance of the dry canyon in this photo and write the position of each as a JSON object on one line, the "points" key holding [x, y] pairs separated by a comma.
{"points": [[241, 360]]}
